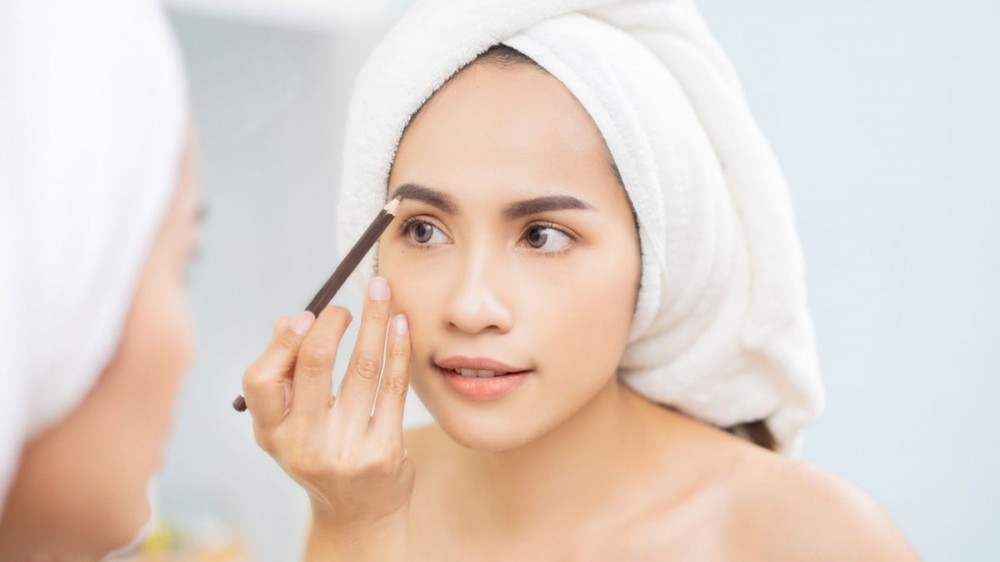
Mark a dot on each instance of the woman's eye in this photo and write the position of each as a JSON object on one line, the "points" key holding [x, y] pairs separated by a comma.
{"points": [[547, 239], [425, 233]]}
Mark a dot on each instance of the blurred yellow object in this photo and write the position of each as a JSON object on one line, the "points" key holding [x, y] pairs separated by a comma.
{"points": [[230, 553], [160, 540], [170, 543]]}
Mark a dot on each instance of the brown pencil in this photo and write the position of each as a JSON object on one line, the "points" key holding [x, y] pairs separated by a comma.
{"points": [[344, 270]]}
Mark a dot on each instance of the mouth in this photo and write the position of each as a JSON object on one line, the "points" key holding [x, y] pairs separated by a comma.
{"points": [[480, 373], [481, 379], [478, 366]]}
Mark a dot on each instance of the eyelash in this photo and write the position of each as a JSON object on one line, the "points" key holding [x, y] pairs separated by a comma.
{"points": [[404, 230]]}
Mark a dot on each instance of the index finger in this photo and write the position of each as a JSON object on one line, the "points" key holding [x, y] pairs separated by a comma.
{"points": [[360, 382], [313, 379]]}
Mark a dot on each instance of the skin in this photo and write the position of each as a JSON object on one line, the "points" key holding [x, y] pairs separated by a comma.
{"points": [[82, 486], [572, 465]]}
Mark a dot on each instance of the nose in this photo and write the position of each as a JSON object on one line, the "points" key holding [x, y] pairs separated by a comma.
{"points": [[477, 302]]}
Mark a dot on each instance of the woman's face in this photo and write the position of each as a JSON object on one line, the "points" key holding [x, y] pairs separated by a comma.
{"points": [[82, 486], [518, 245]]}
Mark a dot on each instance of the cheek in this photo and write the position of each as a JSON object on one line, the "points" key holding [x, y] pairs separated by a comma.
{"points": [[140, 387], [416, 292], [158, 353], [585, 318]]}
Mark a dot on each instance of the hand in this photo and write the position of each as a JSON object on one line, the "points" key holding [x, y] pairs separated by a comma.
{"points": [[353, 465]]}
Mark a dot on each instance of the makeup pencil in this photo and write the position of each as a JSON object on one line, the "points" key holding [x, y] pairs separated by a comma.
{"points": [[344, 270]]}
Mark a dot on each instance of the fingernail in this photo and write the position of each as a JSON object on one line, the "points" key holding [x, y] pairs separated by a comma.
{"points": [[378, 290], [301, 323], [400, 326]]}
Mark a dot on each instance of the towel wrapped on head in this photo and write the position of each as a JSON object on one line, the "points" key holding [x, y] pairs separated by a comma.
{"points": [[93, 126], [721, 329]]}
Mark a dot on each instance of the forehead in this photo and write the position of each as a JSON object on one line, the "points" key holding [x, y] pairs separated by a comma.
{"points": [[511, 127]]}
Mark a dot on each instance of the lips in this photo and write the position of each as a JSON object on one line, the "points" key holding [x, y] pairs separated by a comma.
{"points": [[478, 373], [482, 367], [481, 378]]}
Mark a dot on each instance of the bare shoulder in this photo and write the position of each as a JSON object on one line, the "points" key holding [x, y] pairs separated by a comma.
{"points": [[790, 510]]}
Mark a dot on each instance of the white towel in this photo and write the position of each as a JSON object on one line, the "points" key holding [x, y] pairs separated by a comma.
{"points": [[721, 330], [93, 117]]}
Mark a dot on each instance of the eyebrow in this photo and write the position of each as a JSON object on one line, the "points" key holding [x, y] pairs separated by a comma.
{"points": [[543, 204], [432, 197], [514, 210]]}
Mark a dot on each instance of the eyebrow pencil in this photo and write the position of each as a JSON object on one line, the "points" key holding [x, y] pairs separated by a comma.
{"points": [[344, 270]]}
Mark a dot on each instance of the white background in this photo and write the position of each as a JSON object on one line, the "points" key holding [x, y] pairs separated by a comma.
{"points": [[884, 116]]}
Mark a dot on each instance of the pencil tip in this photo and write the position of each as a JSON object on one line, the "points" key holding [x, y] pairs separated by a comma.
{"points": [[390, 207]]}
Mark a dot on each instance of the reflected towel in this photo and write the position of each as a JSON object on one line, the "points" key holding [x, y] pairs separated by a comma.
{"points": [[93, 118]]}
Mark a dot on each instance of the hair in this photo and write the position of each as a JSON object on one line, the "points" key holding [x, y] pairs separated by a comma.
{"points": [[756, 431]]}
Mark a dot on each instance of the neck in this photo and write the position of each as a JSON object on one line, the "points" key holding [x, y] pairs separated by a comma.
{"points": [[599, 457]]}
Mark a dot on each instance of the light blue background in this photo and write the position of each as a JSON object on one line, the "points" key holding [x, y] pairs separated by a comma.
{"points": [[884, 116]]}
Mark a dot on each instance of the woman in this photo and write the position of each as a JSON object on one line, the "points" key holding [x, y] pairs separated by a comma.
{"points": [[98, 220], [594, 271]]}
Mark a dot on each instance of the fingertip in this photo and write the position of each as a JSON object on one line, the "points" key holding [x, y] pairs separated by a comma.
{"points": [[279, 324], [340, 313], [400, 325], [378, 289], [286, 340], [302, 322], [399, 345]]}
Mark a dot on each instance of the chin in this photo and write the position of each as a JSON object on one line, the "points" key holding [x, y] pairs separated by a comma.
{"points": [[485, 434], [483, 426]]}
